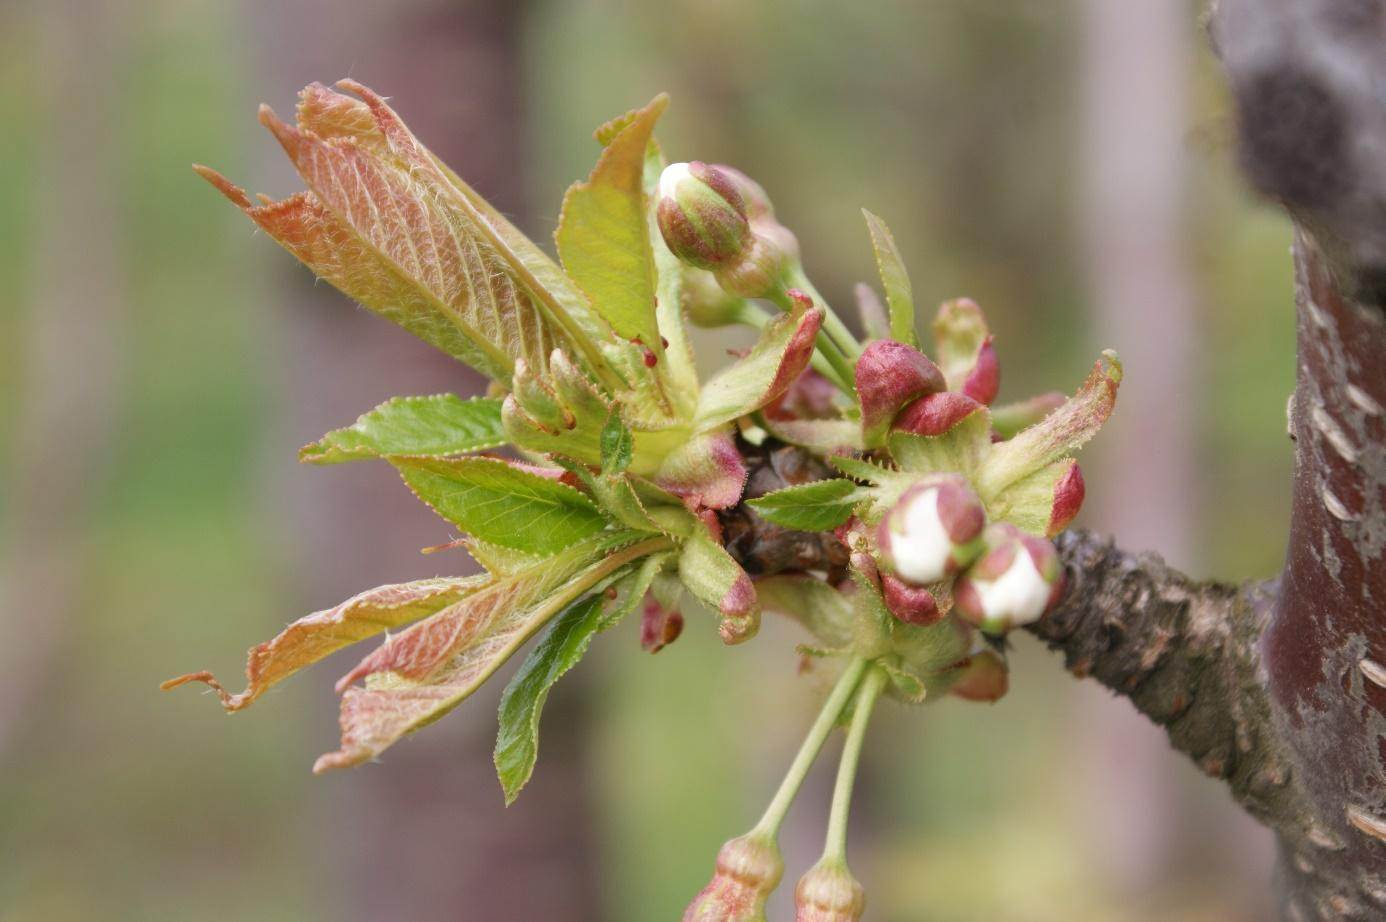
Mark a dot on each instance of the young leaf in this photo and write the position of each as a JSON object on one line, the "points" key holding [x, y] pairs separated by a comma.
{"points": [[777, 358], [1060, 433], [559, 648], [392, 228], [894, 279], [616, 444], [816, 506], [603, 235], [499, 503], [315, 636], [718, 581], [960, 332], [443, 424], [426, 671], [706, 470]]}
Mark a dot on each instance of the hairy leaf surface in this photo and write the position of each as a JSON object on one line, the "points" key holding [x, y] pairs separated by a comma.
{"points": [[815, 506], [894, 279]]}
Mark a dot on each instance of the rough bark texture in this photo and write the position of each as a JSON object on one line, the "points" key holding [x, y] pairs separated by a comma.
{"points": [[1276, 687]]}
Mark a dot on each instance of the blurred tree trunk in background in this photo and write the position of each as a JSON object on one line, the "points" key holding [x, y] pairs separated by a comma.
{"points": [[426, 837], [73, 354], [1137, 59]]}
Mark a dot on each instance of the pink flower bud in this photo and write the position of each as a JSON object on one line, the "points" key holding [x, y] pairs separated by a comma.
{"points": [[936, 414], [702, 216], [1068, 499], [888, 376], [984, 380], [909, 604], [985, 677], [749, 868], [829, 893], [659, 626], [932, 531], [1017, 579], [752, 193]]}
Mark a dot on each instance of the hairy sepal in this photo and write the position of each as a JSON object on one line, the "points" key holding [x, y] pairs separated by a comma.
{"points": [[778, 357], [439, 425], [1058, 435]]}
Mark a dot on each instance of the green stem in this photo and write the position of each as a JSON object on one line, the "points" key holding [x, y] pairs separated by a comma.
{"points": [[871, 686], [769, 824], [842, 336]]}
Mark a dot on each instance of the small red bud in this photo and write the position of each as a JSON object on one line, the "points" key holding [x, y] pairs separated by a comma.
{"points": [[936, 414], [984, 380], [1068, 499], [985, 677]]}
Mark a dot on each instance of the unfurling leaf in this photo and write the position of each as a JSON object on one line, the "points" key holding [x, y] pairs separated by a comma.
{"points": [[1042, 503], [616, 444], [502, 504], [964, 350], [393, 229], [706, 470], [443, 424], [894, 279], [1059, 434], [559, 648], [603, 235], [315, 636], [782, 352], [816, 506], [422, 673]]}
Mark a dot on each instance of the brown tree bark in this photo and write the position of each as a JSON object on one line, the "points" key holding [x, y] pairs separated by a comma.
{"points": [[1276, 687]]}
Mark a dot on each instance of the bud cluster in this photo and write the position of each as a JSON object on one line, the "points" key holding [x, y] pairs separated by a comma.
{"points": [[717, 219]]}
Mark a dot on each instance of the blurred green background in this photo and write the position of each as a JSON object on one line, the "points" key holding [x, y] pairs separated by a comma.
{"points": [[1067, 164]]}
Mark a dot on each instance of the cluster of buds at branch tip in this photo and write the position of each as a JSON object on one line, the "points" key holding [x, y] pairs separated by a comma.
{"points": [[829, 893], [1016, 580], [717, 219], [933, 531], [748, 870]]}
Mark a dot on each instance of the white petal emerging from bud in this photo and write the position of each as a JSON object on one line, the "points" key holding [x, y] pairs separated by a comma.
{"points": [[921, 547], [669, 180], [1020, 595]]}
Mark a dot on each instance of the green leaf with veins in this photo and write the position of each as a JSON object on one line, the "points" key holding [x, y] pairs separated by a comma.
{"points": [[815, 506], [894, 279], [560, 647], [443, 424], [501, 504], [616, 444], [603, 236]]}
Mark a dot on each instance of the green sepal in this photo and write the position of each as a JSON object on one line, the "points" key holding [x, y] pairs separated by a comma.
{"points": [[442, 424], [894, 279], [959, 450]]}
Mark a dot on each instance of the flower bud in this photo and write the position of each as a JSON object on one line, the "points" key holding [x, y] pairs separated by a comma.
{"points": [[1017, 579], [659, 626], [758, 269], [909, 604], [932, 531], [749, 868], [983, 677], [888, 376], [702, 216], [753, 195], [984, 380], [829, 893], [705, 304]]}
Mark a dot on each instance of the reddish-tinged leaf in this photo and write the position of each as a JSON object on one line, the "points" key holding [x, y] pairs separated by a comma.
{"points": [[716, 580], [311, 638], [1042, 503], [782, 352], [960, 331], [426, 671]]}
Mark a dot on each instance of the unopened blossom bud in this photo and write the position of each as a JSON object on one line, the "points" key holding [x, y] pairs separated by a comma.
{"points": [[933, 530], [829, 893], [888, 376], [758, 207], [909, 604], [702, 216], [1016, 580], [749, 868], [760, 266], [983, 677]]}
